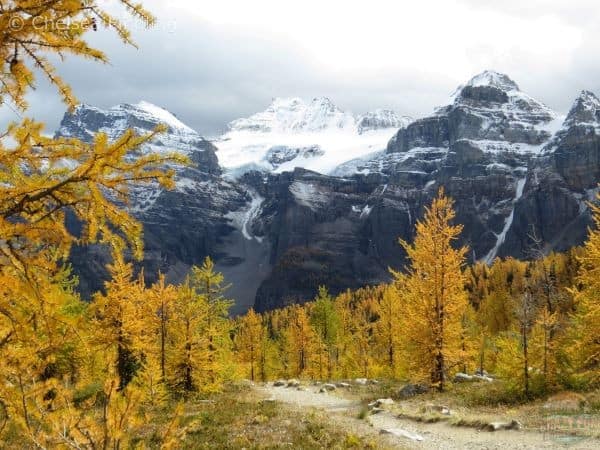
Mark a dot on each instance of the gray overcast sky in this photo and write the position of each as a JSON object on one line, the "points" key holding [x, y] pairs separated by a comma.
{"points": [[212, 62]]}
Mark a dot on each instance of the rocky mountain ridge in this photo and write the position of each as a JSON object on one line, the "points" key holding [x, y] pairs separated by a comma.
{"points": [[514, 167]]}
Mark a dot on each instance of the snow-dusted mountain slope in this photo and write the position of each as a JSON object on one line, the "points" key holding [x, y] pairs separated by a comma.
{"points": [[86, 121], [501, 117], [489, 115], [291, 133], [142, 117]]}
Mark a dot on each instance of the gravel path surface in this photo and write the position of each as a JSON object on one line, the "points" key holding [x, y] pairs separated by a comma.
{"points": [[407, 434]]}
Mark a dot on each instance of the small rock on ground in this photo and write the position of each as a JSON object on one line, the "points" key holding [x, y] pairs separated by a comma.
{"points": [[399, 432]]}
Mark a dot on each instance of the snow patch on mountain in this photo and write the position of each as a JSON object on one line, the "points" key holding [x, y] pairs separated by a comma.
{"points": [[163, 116], [380, 162], [243, 218], [500, 238], [293, 115], [307, 194], [381, 118]]}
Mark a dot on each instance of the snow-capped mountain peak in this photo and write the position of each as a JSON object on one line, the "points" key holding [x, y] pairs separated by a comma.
{"points": [[142, 117], [162, 115], [294, 115], [585, 113], [494, 94], [322, 114], [315, 135], [585, 109], [494, 79]]}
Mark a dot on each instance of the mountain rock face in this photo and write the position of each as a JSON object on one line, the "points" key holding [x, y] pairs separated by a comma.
{"points": [[380, 119], [181, 226], [304, 194], [561, 183]]}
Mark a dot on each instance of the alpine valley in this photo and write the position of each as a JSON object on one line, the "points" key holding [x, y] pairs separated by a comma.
{"points": [[304, 194]]}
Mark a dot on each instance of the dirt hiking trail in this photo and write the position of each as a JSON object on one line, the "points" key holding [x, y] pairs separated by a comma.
{"points": [[388, 430]]}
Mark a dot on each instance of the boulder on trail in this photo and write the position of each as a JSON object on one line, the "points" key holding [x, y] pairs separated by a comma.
{"points": [[439, 409], [410, 390], [495, 426], [293, 383]]}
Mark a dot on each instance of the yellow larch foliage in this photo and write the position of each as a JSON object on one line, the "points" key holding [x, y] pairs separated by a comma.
{"points": [[544, 346], [325, 322], [158, 311], [253, 345], [200, 357], [300, 343], [389, 329], [364, 348], [434, 289], [30, 30], [584, 347], [117, 320], [43, 353], [345, 341], [188, 352], [209, 284]]}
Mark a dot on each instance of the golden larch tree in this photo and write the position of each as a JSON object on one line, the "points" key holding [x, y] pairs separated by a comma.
{"points": [[300, 342], [209, 284], [325, 323], [435, 294], [188, 352], [389, 329], [117, 320], [253, 345], [584, 348], [42, 337]]}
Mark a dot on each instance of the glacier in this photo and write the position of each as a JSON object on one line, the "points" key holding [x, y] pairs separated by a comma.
{"points": [[290, 126]]}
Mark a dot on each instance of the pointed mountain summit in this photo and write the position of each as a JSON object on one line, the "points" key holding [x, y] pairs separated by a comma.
{"points": [[580, 126], [142, 117], [85, 121], [294, 115], [585, 110], [489, 111], [493, 79]]}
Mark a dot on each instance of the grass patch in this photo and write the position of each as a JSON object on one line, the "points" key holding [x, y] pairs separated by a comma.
{"points": [[487, 394], [469, 423], [424, 418], [364, 413], [236, 420]]}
